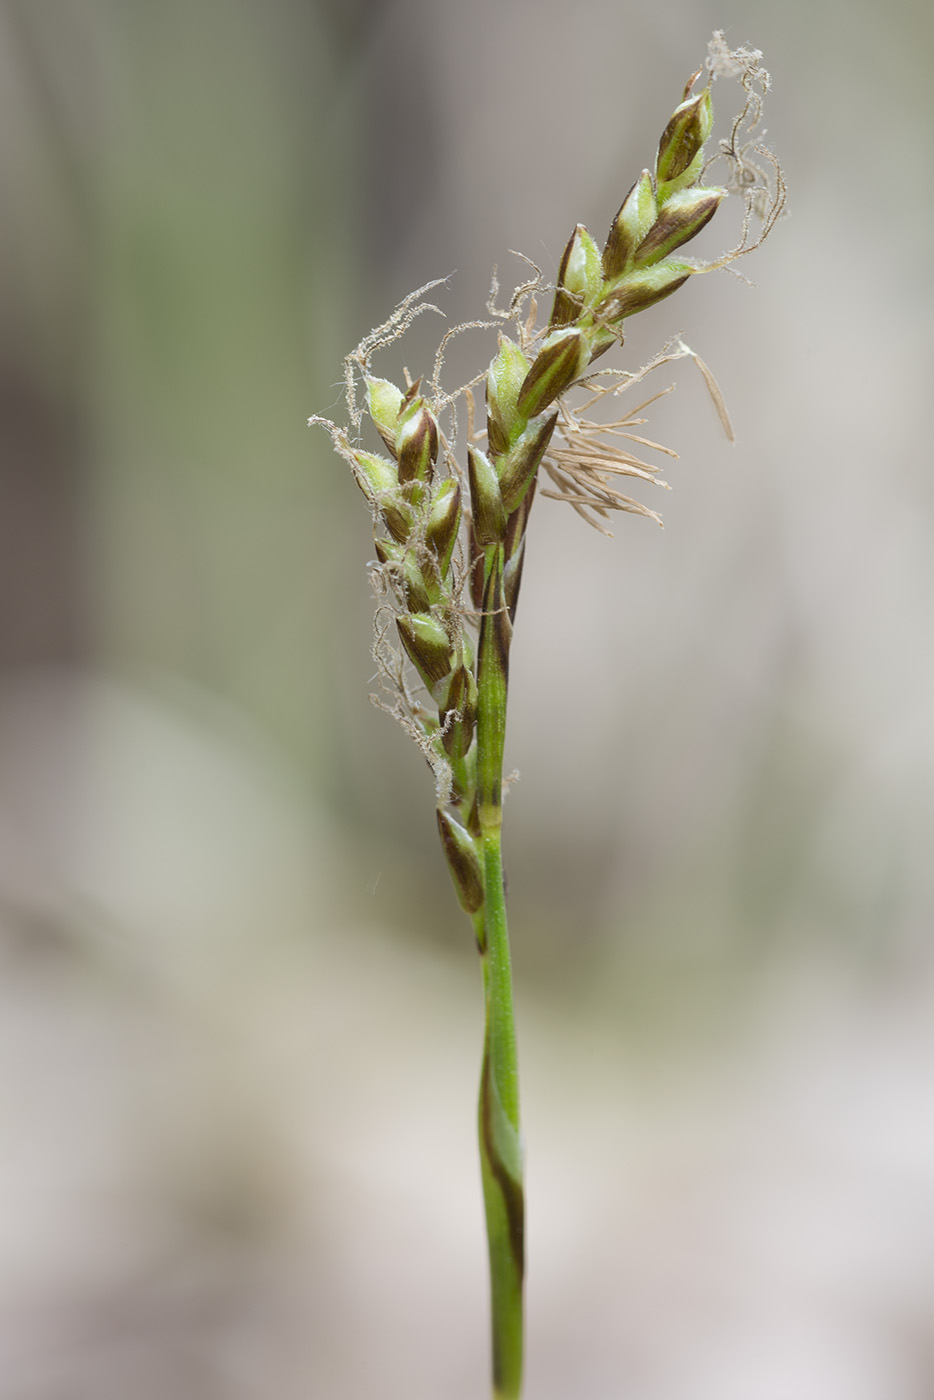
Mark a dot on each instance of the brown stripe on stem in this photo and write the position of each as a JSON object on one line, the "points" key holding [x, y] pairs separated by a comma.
{"points": [[515, 551], [492, 686], [496, 615], [511, 1189], [477, 569]]}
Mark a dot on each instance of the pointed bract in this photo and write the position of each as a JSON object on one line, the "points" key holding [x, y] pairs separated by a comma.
{"points": [[680, 219], [580, 278], [486, 502], [458, 712], [384, 401], [388, 551], [444, 518], [378, 479], [503, 382], [689, 177], [636, 216], [463, 862], [419, 593], [416, 441], [518, 467], [683, 137], [428, 646], [641, 288], [398, 517], [556, 365], [376, 476]]}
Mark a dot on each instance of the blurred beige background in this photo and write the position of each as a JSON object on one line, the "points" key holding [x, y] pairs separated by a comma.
{"points": [[239, 1009]]}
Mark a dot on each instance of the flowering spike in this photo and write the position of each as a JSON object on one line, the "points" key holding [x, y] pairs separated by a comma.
{"points": [[635, 218], [439, 552]]}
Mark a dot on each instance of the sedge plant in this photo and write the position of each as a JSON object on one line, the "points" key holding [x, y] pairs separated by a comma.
{"points": [[450, 538]]}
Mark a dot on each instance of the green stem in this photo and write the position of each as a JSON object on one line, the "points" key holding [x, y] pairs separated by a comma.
{"points": [[500, 1145]]}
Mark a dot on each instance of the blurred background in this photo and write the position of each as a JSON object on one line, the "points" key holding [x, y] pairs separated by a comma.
{"points": [[240, 1013]]}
